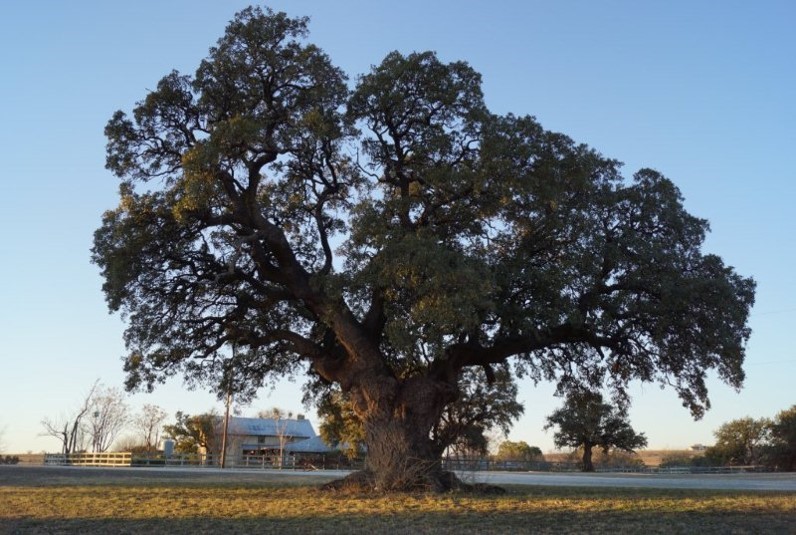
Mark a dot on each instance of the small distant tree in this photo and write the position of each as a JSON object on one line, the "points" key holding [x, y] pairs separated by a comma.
{"points": [[70, 430], [106, 417], [585, 421], [518, 451], [781, 453], [148, 423], [740, 442], [192, 433]]}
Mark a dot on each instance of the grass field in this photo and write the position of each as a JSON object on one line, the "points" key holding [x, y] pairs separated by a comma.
{"points": [[650, 458], [74, 503]]}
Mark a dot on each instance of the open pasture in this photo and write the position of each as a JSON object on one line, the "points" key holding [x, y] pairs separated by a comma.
{"points": [[53, 500]]}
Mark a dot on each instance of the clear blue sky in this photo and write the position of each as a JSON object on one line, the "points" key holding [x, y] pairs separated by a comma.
{"points": [[701, 91]]}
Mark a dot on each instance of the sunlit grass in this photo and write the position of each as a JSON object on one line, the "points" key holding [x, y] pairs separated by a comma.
{"points": [[263, 508]]}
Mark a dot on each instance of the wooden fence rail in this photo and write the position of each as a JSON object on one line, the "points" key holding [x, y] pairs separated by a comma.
{"points": [[291, 463], [474, 465], [89, 459], [128, 459], [191, 460]]}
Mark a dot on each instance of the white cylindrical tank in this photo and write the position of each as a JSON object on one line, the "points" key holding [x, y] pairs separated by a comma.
{"points": [[168, 448]]}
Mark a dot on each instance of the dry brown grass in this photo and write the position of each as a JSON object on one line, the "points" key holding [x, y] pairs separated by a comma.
{"points": [[650, 458], [210, 505]]}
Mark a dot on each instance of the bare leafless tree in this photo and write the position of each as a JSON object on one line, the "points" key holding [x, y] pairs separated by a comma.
{"points": [[70, 430], [148, 423], [107, 416], [280, 418]]}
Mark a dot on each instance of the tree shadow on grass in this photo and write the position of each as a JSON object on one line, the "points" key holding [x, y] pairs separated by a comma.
{"points": [[437, 523]]}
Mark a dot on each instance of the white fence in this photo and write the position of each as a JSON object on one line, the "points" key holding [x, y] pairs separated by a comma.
{"points": [[127, 459], [289, 462], [89, 459]]}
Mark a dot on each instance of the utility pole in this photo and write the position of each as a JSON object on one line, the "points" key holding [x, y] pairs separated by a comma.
{"points": [[226, 431], [226, 415]]}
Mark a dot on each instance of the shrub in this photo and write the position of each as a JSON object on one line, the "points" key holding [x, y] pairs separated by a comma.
{"points": [[618, 459], [677, 459]]}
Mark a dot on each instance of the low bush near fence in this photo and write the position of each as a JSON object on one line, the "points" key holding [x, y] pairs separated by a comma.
{"points": [[9, 459]]}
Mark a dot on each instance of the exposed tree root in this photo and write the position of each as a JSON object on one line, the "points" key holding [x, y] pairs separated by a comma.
{"points": [[444, 481]]}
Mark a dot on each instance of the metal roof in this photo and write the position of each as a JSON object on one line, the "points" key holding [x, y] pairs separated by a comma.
{"points": [[311, 445], [270, 427]]}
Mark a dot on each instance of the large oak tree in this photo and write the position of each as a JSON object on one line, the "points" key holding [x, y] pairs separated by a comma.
{"points": [[390, 236]]}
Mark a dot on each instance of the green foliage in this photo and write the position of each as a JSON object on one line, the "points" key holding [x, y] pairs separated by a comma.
{"points": [[467, 239], [740, 442], [703, 461], [192, 433], [617, 458], [781, 452], [750, 441], [483, 405], [340, 426], [586, 421], [518, 451]]}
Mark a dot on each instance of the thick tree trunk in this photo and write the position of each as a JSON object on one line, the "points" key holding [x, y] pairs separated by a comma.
{"points": [[402, 457], [588, 465], [401, 454], [397, 414], [398, 418]]}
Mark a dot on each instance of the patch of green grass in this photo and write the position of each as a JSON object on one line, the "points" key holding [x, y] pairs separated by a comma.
{"points": [[212, 507]]}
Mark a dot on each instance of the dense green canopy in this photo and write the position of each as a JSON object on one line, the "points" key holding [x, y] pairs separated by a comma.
{"points": [[586, 421], [389, 236], [782, 447]]}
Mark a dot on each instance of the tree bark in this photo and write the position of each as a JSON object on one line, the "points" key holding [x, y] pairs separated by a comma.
{"points": [[588, 465], [401, 457], [398, 417]]}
